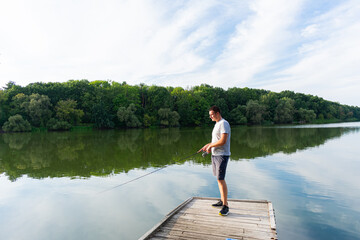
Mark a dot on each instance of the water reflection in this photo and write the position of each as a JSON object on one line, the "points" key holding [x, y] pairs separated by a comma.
{"points": [[315, 192], [310, 175], [100, 153]]}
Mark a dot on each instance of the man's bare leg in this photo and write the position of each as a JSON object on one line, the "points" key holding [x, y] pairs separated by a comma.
{"points": [[223, 191]]}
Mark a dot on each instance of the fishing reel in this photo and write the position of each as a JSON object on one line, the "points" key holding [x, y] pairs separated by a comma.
{"points": [[204, 154]]}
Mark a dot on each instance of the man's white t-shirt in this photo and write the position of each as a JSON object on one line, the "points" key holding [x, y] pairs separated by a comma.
{"points": [[221, 127]]}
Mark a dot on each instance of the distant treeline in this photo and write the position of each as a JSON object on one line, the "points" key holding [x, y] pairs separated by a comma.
{"points": [[108, 104]]}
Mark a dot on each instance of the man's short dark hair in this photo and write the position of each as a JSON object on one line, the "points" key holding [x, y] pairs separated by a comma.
{"points": [[215, 109]]}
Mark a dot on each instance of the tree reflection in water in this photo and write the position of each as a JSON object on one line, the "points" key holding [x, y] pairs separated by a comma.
{"points": [[101, 153]]}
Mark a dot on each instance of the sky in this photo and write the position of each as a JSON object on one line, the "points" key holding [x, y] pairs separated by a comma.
{"points": [[307, 46]]}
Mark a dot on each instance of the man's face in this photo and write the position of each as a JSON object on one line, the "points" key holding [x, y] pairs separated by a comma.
{"points": [[213, 115]]}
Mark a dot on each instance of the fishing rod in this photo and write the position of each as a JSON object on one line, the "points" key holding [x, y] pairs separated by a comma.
{"points": [[156, 170]]}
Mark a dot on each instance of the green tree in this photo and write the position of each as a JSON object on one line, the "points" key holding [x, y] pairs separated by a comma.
{"points": [[83, 93], [38, 108], [255, 112], [3, 107], [9, 85], [168, 118], [124, 95], [101, 117], [16, 123], [66, 111], [55, 124], [284, 112], [210, 94], [235, 97], [128, 117], [270, 101], [100, 101], [221, 103], [174, 119], [200, 110], [149, 120], [157, 97], [238, 115], [306, 115], [18, 103], [331, 112], [184, 104]]}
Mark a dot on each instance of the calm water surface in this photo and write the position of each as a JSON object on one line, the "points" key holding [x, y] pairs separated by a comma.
{"points": [[63, 185]]}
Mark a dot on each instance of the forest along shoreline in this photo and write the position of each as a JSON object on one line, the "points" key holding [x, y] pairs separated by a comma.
{"points": [[81, 104]]}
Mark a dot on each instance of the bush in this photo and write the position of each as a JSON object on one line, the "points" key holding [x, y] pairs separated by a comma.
{"points": [[168, 118], [66, 111], [306, 115], [128, 117], [16, 123], [54, 124]]}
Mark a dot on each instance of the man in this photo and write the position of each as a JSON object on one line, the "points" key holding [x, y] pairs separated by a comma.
{"points": [[220, 153]]}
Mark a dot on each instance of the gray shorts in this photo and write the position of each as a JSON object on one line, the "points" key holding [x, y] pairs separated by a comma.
{"points": [[219, 164]]}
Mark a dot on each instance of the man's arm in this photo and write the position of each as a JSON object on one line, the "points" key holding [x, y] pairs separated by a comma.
{"points": [[220, 142]]}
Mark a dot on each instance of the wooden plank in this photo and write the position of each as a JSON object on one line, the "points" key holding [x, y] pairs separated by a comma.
{"points": [[220, 231], [234, 209], [240, 228], [157, 226], [206, 228], [196, 219], [272, 216], [234, 200], [186, 235], [251, 227], [260, 206], [233, 212], [231, 218], [238, 225], [165, 231]]}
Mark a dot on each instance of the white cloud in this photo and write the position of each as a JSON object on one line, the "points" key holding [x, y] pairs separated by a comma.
{"points": [[329, 57], [258, 40], [262, 44], [124, 41], [309, 31], [252, 47]]}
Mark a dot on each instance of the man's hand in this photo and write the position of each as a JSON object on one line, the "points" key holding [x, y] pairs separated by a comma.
{"points": [[206, 148], [222, 141]]}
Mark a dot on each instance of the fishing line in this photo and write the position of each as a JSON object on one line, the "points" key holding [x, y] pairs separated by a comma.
{"points": [[156, 170]]}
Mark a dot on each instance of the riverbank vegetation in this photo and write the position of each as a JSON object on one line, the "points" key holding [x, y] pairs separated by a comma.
{"points": [[109, 104]]}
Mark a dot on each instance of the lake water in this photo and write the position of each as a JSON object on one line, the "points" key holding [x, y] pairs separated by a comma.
{"points": [[65, 185]]}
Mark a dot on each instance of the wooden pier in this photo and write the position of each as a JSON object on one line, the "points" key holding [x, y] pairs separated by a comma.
{"points": [[196, 219]]}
